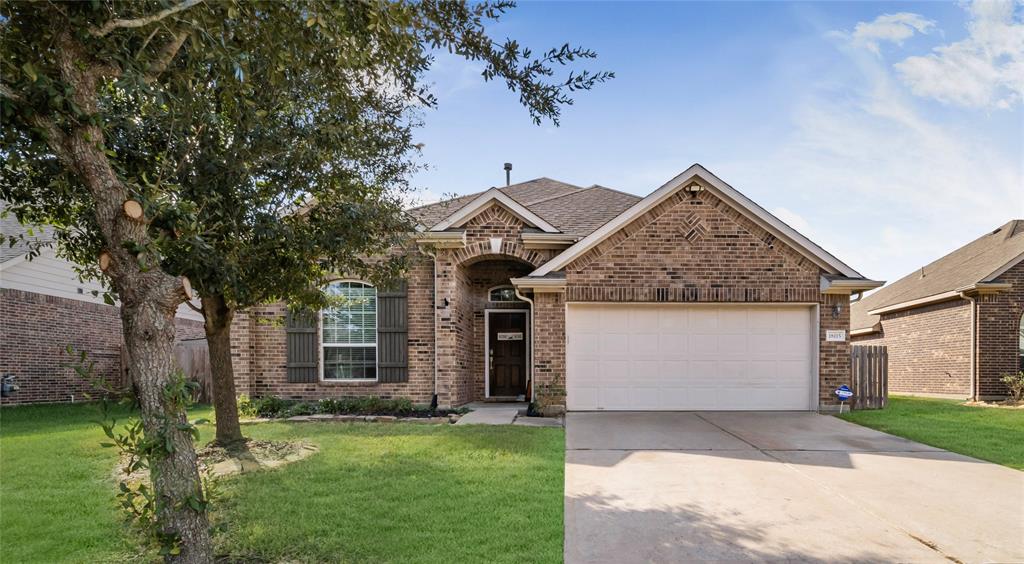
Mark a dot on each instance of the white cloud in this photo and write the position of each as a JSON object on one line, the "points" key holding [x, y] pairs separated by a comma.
{"points": [[985, 70], [888, 184], [893, 28]]}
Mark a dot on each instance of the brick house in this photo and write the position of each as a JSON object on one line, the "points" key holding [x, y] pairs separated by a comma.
{"points": [[693, 297], [953, 327], [44, 307]]}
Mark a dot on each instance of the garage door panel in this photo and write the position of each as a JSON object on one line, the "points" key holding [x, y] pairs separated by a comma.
{"points": [[732, 346], [644, 344], [689, 357]]}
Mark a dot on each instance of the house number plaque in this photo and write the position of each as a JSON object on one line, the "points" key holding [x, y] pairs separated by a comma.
{"points": [[510, 336]]}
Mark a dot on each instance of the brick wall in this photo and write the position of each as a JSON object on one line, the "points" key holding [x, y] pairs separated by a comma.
{"points": [[929, 348], [260, 362], [999, 318], [35, 330]]}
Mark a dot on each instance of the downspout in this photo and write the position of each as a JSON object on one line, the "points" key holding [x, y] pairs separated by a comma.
{"points": [[433, 255], [529, 357], [974, 338]]}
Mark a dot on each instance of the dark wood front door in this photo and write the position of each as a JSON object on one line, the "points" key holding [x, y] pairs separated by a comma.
{"points": [[506, 337]]}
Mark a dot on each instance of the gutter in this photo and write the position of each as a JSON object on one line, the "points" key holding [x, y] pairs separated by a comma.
{"points": [[433, 254]]}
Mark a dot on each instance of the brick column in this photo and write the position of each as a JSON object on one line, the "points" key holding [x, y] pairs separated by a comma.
{"points": [[834, 357], [549, 351]]}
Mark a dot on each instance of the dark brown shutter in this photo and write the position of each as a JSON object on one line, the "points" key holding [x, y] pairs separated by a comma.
{"points": [[393, 334], [303, 353]]}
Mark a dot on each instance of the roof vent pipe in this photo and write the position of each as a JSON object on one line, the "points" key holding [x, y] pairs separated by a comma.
{"points": [[508, 174]]}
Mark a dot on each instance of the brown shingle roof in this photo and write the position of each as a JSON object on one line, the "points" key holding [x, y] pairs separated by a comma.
{"points": [[573, 210], [970, 264], [581, 213]]}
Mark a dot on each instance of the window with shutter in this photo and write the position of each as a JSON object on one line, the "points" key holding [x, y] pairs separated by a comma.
{"points": [[393, 334], [301, 346], [348, 332]]}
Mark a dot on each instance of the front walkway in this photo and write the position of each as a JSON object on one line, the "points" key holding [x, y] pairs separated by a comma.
{"points": [[675, 487], [485, 413]]}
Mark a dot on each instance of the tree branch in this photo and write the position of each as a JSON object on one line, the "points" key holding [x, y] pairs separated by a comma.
{"points": [[10, 94], [166, 55], [139, 22]]}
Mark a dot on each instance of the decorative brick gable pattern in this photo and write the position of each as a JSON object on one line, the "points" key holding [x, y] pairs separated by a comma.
{"points": [[929, 348], [693, 249], [35, 330]]}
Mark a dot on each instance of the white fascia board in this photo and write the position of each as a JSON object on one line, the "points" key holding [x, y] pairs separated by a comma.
{"points": [[1002, 269], [481, 202], [727, 193], [547, 240], [443, 239], [865, 331], [539, 284], [848, 286]]}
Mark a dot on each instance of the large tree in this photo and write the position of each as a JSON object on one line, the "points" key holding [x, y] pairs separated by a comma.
{"points": [[112, 109]]}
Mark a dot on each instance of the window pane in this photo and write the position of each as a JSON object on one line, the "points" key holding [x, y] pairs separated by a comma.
{"points": [[353, 320], [350, 363], [504, 295]]}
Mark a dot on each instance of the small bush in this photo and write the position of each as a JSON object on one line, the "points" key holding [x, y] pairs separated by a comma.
{"points": [[371, 405], [1015, 383]]}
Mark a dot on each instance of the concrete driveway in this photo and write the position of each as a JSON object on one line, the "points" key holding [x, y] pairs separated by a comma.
{"points": [[676, 487]]}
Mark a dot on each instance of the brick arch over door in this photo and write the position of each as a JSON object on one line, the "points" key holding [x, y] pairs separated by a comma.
{"points": [[481, 250]]}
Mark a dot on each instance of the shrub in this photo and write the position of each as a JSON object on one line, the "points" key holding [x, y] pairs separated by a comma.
{"points": [[277, 407], [1015, 383]]}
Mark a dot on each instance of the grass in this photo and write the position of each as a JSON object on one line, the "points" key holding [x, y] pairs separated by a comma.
{"points": [[992, 434], [374, 493]]}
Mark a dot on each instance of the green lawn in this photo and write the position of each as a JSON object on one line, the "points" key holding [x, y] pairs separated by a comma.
{"points": [[992, 434], [374, 493]]}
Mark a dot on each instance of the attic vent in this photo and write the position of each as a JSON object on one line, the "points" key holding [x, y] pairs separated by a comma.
{"points": [[769, 240], [922, 272]]}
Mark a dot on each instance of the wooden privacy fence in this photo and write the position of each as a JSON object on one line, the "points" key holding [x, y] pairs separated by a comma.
{"points": [[869, 366], [193, 357]]}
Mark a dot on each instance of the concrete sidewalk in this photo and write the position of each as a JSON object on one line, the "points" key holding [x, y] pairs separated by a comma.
{"points": [[504, 414]]}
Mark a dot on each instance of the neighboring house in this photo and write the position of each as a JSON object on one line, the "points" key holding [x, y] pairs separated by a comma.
{"points": [[693, 297], [953, 327], [44, 307]]}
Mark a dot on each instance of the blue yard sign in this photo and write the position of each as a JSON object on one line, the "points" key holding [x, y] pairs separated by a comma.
{"points": [[843, 393]]}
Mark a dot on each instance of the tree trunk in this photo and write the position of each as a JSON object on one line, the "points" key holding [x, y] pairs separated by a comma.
{"points": [[149, 336], [149, 301], [218, 316]]}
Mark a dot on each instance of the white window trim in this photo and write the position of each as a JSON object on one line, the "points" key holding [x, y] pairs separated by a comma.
{"points": [[376, 345], [502, 287]]}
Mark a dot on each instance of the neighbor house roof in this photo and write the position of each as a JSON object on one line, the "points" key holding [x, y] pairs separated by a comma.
{"points": [[570, 209], [26, 238], [977, 263]]}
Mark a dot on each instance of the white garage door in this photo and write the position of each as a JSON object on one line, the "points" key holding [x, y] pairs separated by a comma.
{"points": [[689, 357]]}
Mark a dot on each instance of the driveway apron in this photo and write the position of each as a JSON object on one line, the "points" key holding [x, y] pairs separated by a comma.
{"points": [[756, 486]]}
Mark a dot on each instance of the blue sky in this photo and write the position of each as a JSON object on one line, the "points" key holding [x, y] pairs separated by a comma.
{"points": [[890, 133]]}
